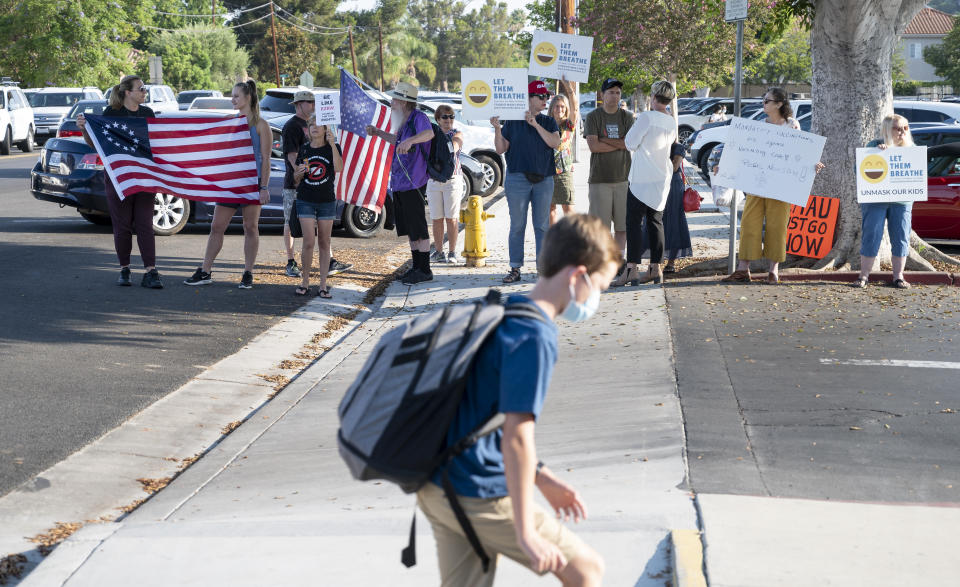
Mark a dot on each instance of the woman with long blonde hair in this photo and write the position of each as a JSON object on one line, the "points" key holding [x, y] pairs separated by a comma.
{"points": [[895, 131], [565, 110]]}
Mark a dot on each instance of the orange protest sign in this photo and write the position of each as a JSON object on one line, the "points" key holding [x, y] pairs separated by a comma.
{"points": [[810, 231]]}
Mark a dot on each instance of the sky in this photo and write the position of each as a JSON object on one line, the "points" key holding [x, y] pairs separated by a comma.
{"points": [[369, 4]]}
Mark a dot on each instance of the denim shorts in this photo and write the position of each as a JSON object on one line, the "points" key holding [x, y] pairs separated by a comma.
{"points": [[897, 216], [317, 211]]}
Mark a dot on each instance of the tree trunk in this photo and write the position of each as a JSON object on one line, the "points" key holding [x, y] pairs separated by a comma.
{"points": [[852, 43]]}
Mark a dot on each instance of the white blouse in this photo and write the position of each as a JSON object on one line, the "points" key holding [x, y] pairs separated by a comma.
{"points": [[650, 138]]}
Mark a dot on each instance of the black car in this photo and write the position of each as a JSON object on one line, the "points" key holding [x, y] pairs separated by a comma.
{"points": [[70, 173], [69, 128]]}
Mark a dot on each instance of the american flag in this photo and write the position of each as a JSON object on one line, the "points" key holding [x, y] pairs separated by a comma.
{"points": [[208, 159], [366, 159]]}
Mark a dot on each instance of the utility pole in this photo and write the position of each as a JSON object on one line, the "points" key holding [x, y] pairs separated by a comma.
{"points": [[276, 59], [353, 56], [380, 39], [566, 10]]}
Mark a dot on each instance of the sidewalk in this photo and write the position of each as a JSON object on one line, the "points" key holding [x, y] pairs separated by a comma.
{"points": [[274, 504]]}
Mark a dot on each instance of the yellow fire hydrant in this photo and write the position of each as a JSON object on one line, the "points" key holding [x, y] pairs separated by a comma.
{"points": [[475, 235]]}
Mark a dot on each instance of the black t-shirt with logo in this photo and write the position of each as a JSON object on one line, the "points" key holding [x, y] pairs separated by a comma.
{"points": [[142, 112], [318, 183], [293, 136]]}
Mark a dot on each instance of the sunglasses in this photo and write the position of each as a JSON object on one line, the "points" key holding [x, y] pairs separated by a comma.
{"points": [[541, 96], [901, 128], [446, 117], [142, 89]]}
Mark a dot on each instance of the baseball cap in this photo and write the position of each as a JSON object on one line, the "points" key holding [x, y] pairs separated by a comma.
{"points": [[610, 82], [537, 87], [303, 96]]}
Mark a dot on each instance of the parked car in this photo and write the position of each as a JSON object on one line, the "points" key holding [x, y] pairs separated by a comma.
{"points": [[212, 105], [69, 128], [16, 119], [687, 124], [186, 97], [160, 98], [70, 173], [51, 106], [939, 217]]}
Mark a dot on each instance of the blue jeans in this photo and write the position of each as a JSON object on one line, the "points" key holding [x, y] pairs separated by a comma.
{"points": [[521, 195], [898, 217]]}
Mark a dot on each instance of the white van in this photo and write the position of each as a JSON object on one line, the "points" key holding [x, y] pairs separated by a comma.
{"points": [[16, 119], [51, 106]]}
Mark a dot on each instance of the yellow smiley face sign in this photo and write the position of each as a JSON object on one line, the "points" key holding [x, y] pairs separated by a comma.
{"points": [[874, 168], [477, 93], [545, 53]]}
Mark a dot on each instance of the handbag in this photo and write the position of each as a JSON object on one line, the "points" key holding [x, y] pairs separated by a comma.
{"points": [[295, 229], [691, 197]]}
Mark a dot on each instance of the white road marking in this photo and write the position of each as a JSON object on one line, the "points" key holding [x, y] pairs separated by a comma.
{"points": [[892, 363]]}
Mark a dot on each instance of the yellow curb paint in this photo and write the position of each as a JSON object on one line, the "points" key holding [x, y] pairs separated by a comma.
{"points": [[687, 559], [22, 155]]}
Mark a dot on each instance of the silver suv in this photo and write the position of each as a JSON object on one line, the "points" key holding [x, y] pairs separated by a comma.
{"points": [[51, 105], [16, 118]]}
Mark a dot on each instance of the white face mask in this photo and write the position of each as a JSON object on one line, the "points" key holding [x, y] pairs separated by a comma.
{"points": [[577, 311]]}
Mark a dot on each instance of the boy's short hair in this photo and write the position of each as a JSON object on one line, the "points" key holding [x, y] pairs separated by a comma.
{"points": [[577, 239]]}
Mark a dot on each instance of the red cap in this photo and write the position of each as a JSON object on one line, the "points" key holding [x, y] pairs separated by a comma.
{"points": [[537, 87]]}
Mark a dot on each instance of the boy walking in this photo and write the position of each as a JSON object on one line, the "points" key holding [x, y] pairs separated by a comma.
{"points": [[495, 478]]}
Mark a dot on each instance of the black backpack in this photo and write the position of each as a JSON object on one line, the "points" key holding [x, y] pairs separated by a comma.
{"points": [[441, 161], [395, 416]]}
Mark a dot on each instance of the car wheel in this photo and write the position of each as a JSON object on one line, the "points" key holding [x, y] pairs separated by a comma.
{"points": [[491, 174], [98, 219], [704, 162], [170, 214], [6, 144], [26, 145], [467, 187], [361, 222], [683, 133]]}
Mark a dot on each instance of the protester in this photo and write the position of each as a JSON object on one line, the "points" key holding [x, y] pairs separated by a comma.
{"points": [[315, 175], [495, 477], [895, 131], [675, 230], [763, 227], [565, 112], [408, 176], [444, 198], [651, 137], [605, 129], [244, 99], [293, 136], [719, 114], [529, 146], [134, 212]]}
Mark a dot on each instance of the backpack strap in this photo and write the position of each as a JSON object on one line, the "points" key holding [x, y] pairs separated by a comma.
{"points": [[464, 521]]}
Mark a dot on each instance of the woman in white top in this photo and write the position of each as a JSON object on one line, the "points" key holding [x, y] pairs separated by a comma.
{"points": [[650, 139]]}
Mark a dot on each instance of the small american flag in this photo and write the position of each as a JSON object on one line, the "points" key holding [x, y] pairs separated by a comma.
{"points": [[366, 159], [208, 159]]}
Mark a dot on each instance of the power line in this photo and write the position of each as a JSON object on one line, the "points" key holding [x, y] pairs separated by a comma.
{"points": [[342, 31], [308, 23], [156, 28], [213, 15]]}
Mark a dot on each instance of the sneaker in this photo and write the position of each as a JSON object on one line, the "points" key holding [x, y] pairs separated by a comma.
{"points": [[292, 270], [124, 278], [338, 267], [416, 276], [199, 277], [437, 257], [408, 273], [512, 276], [151, 279], [246, 282], [452, 258]]}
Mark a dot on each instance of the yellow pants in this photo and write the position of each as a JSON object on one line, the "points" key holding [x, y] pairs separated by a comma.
{"points": [[759, 240]]}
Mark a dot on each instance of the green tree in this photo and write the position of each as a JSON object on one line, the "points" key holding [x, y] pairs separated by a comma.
{"points": [[945, 57], [199, 57], [488, 37], [785, 60], [948, 6], [436, 20], [407, 56]]}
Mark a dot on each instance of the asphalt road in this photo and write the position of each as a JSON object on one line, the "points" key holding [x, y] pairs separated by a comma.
{"points": [[79, 355], [788, 391]]}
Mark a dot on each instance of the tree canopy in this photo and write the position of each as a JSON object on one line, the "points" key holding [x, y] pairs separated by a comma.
{"points": [[945, 57]]}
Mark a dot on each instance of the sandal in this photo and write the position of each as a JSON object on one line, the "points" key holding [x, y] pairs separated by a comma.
{"points": [[301, 291], [324, 293], [513, 275], [861, 282], [900, 284]]}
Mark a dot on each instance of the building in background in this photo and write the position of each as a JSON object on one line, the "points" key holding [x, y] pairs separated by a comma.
{"points": [[927, 28]]}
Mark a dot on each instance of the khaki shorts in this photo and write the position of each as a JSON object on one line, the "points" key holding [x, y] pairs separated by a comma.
{"points": [[608, 202], [492, 520], [444, 198]]}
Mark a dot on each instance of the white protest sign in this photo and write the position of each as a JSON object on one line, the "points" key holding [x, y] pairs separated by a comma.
{"points": [[770, 160], [554, 55], [494, 92], [892, 175], [327, 108]]}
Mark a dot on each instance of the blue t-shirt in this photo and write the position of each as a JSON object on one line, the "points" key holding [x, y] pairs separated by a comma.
{"points": [[511, 374], [528, 153]]}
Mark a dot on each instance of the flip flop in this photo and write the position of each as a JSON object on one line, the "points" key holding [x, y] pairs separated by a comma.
{"points": [[301, 291], [324, 293]]}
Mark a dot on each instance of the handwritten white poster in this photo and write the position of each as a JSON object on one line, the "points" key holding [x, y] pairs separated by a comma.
{"points": [[491, 91], [892, 175], [553, 55], [328, 108], [770, 160]]}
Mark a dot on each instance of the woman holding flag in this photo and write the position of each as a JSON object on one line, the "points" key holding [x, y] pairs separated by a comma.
{"points": [[244, 99], [134, 211]]}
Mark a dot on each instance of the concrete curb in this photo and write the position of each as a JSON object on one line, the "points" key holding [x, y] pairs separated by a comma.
{"points": [[686, 559]]}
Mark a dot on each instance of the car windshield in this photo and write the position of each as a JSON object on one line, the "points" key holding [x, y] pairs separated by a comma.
{"points": [[277, 102], [61, 99], [187, 97], [87, 108], [218, 103]]}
